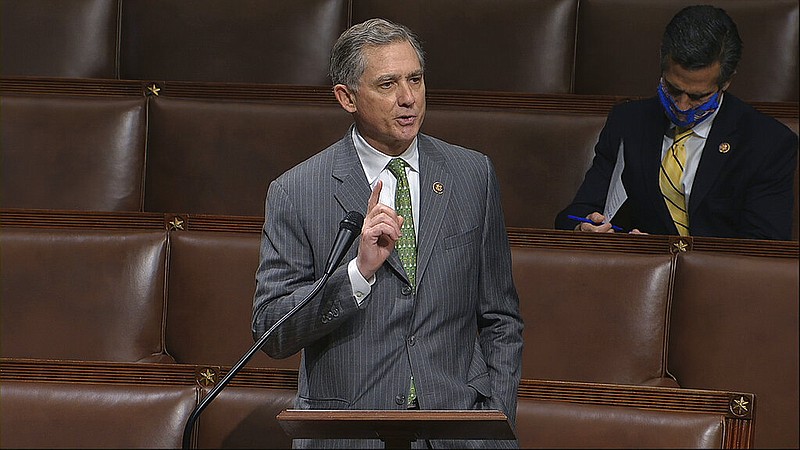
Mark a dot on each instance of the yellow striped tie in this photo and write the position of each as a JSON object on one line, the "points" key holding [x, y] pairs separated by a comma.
{"points": [[671, 178]]}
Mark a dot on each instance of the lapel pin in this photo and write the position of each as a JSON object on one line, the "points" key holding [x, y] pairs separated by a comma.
{"points": [[438, 187], [724, 147]]}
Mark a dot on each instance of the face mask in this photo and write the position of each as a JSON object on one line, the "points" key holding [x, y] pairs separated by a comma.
{"points": [[690, 117]]}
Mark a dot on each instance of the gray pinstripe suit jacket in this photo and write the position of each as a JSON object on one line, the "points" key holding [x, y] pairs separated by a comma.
{"points": [[461, 332]]}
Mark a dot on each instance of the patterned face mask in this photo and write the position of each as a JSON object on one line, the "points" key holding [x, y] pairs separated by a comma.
{"points": [[690, 117]]}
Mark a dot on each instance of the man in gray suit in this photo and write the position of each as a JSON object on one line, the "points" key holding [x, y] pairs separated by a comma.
{"points": [[425, 313]]}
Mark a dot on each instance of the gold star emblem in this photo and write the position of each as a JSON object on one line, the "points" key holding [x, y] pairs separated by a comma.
{"points": [[207, 377], [176, 223], [740, 406], [680, 245], [724, 147], [438, 187], [154, 89]]}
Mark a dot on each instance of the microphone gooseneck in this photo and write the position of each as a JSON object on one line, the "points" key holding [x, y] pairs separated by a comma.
{"points": [[349, 229]]}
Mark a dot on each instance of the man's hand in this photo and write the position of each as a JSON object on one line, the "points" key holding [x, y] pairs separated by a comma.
{"points": [[379, 233], [595, 217]]}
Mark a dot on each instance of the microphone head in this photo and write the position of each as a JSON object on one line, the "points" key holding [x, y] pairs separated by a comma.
{"points": [[352, 221]]}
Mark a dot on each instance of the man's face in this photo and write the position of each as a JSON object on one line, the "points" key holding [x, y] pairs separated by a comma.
{"points": [[389, 105], [691, 88]]}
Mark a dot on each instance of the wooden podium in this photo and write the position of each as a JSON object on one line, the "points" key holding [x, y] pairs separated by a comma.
{"points": [[396, 428]]}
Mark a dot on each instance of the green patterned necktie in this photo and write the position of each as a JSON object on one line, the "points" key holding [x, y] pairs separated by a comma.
{"points": [[406, 246]]}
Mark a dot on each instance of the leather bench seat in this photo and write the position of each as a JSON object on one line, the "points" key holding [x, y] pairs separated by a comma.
{"points": [[734, 323], [213, 157], [613, 309], [569, 299], [543, 46], [93, 414], [185, 151], [551, 424], [83, 294], [210, 299], [124, 405]]}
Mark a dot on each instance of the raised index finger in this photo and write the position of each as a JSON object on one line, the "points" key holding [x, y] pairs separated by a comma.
{"points": [[375, 196]]}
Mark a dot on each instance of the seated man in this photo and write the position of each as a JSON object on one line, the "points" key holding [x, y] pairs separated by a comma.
{"points": [[695, 159]]}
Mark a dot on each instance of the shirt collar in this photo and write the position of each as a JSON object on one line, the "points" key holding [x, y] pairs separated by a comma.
{"points": [[374, 161]]}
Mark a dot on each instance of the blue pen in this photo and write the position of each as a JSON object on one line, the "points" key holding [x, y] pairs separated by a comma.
{"points": [[584, 219]]}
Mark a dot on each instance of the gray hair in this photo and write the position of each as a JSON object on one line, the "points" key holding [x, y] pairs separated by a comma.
{"points": [[347, 57]]}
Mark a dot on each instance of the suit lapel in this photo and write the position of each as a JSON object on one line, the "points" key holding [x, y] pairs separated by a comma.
{"points": [[433, 201], [712, 160], [353, 190]]}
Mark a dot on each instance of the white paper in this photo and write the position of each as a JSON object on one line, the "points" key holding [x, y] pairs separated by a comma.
{"points": [[616, 191]]}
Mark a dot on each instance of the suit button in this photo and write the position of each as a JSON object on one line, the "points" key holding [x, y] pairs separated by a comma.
{"points": [[400, 399], [412, 340], [406, 290], [324, 319]]}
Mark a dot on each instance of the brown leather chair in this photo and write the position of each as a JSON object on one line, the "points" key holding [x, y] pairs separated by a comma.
{"points": [[619, 42], [594, 316], [93, 414], [82, 404], [79, 153], [265, 41], [210, 295], [499, 45], [245, 417], [59, 38], [83, 294], [540, 158], [734, 325], [217, 157], [557, 414]]}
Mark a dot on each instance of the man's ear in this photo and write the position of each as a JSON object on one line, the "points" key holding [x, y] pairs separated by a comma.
{"points": [[727, 84], [345, 98]]}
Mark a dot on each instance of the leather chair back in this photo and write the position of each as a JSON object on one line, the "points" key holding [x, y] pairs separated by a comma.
{"points": [[59, 38], [243, 41], [591, 317], [85, 153], [618, 47], [81, 294], [210, 299], [498, 45]]}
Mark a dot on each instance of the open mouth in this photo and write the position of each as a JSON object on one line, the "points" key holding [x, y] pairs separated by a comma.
{"points": [[406, 120]]}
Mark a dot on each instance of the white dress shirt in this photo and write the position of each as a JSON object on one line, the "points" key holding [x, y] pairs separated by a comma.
{"points": [[694, 149], [374, 164]]}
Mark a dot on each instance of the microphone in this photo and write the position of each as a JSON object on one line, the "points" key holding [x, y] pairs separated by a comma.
{"points": [[349, 229]]}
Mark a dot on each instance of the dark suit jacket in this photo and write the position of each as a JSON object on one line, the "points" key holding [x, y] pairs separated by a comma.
{"points": [[461, 332], [744, 193]]}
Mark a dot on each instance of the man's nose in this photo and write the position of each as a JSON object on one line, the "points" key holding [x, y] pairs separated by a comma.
{"points": [[405, 95], [684, 102]]}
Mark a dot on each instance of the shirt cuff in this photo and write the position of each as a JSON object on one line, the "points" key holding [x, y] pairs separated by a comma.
{"points": [[361, 286]]}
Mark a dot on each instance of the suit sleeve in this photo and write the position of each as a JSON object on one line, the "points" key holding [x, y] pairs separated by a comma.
{"points": [[286, 275], [499, 321], [770, 201], [591, 195]]}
